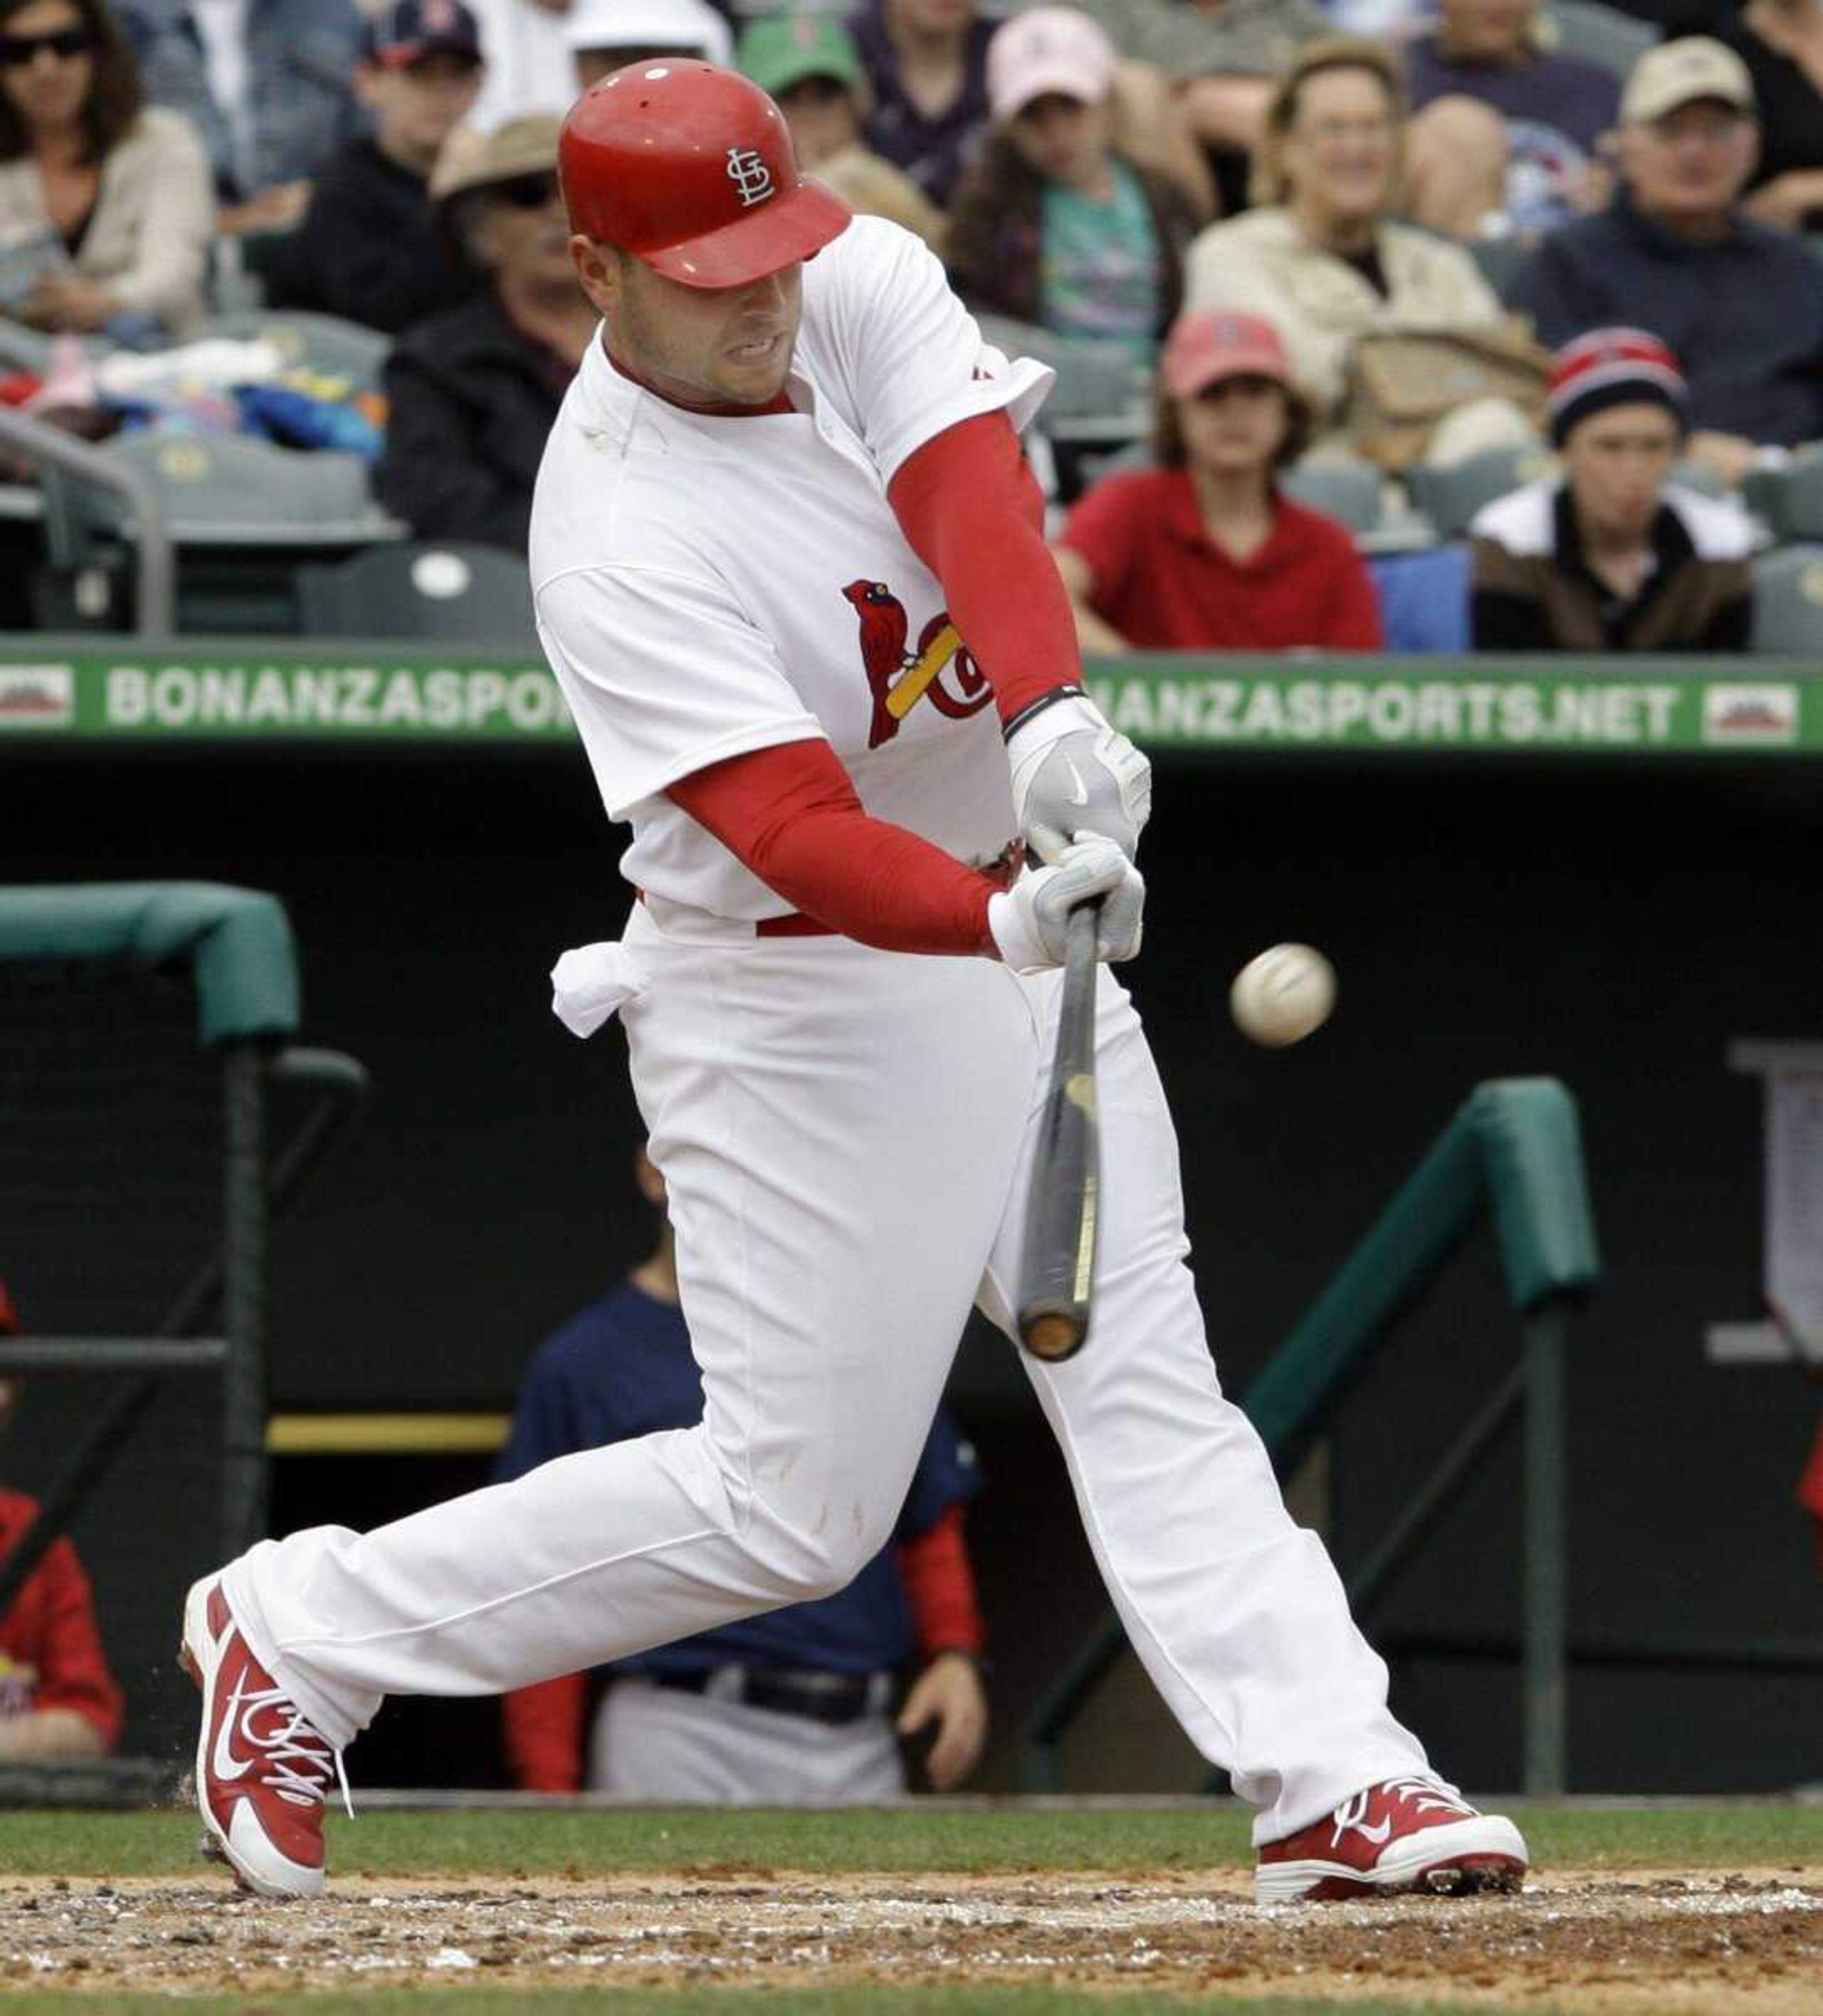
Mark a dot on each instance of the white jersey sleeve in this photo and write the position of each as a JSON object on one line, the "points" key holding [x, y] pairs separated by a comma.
{"points": [[664, 676], [904, 358]]}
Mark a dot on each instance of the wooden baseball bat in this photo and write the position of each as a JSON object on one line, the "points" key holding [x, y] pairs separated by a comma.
{"points": [[1057, 1267]]}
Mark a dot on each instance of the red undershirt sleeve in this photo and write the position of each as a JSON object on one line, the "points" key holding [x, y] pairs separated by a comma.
{"points": [[972, 510], [790, 814], [940, 1585]]}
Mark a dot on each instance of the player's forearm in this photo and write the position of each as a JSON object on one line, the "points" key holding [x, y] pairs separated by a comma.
{"points": [[791, 814], [971, 511]]}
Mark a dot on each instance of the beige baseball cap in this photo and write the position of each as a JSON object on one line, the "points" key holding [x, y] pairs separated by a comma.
{"points": [[1679, 73]]}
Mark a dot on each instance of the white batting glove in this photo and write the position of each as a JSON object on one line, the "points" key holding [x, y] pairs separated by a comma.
{"points": [[1075, 777], [1028, 921]]}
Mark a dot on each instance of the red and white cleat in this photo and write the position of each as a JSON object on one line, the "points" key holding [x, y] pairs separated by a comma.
{"points": [[1406, 1834], [262, 1772]]}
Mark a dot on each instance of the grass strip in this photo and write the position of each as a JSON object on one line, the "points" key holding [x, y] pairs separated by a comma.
{"points": [[919, 1840]]}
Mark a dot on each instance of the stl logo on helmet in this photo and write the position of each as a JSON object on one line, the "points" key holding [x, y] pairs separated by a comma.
{"points": [[898, 678], [752, 178]]}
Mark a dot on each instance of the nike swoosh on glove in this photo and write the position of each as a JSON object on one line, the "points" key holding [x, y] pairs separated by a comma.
{"points": [[1074, 776], [1029, 921]]}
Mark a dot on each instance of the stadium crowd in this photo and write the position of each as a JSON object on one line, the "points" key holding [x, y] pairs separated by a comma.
{"points": [[1521, 302]]}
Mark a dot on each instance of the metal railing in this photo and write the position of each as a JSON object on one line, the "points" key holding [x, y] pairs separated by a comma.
{"points": [[154, 558]]}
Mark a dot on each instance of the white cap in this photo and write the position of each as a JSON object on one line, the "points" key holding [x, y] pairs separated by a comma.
{"points": [[1059, 49], [640, 24]]}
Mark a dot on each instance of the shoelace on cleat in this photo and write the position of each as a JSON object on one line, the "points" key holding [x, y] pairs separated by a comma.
{"points": [[1427, 1794], [292, 1744]]}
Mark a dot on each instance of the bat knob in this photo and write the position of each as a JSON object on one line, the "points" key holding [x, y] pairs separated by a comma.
{"points": [[1054, 1335]]}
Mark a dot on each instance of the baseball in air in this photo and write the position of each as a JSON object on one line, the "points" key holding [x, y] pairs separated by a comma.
{"points": [[1280, 997]]}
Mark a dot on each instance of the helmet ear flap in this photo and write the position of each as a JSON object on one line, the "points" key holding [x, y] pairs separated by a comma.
{"points": [[691, 170]]}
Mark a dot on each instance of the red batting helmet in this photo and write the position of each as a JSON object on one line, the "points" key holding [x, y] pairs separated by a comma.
{"points": [[691, 169]]}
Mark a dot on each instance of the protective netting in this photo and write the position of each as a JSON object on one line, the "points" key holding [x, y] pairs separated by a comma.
{"points": [[110, 1203]]}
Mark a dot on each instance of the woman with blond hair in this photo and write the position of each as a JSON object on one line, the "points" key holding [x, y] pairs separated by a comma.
{"points": [[1321, 255]]}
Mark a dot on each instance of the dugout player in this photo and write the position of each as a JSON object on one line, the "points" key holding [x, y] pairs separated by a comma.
{"points": [[791, 1706], [783, 488]]}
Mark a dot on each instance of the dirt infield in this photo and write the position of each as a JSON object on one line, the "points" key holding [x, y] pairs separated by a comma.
{"points": [[1751, 1941]]}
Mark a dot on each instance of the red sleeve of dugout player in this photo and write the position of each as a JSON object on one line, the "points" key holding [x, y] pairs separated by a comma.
{"points": [[49, 1645], [1811, 1491], [543, 1728], [940, 1585], [972, 510]]}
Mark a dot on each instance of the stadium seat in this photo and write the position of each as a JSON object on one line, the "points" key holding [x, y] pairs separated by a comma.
{"points": [[237, 490], [1499, 260], [1788, 601], [241, 513], [311, 342], [1450, 497], [1791, 499], [456, 592], [1699, 476], [1353, 491], [1598, 35], [1424, 599]]}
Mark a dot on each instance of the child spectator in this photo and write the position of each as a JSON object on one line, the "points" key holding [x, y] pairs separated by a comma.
{"points": [[1739, 303], [1504, 134], [105, 212], [1321, 257], [58, 1699], [473, 392], [808, 64], [269, 85], [604, 34], [1053, 225], [1612, 555], [1202, 553], [368, 248], [927, 62]]}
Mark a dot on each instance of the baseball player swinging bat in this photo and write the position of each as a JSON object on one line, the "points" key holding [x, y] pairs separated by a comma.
{"points": [[1058, 1265]]}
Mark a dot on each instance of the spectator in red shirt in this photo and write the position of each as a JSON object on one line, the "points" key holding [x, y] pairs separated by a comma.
{"points": [[57, 1698], [1202, 552]]}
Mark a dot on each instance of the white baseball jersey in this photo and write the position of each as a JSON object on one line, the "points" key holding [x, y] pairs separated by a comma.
{"points": [[707, 586]]}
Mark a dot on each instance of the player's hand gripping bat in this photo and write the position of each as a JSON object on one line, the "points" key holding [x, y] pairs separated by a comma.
{"points": [[1058, 1265]]}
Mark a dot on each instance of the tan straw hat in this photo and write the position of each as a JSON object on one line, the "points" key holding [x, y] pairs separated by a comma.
{"points": [[472, 160]]}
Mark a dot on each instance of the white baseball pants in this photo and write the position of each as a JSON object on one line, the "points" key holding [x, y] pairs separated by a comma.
{"points": [[847, 1135], [650, 1742]]}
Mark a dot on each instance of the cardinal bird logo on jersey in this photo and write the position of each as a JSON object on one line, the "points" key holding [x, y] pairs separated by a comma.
{"points": [[898, 678]]}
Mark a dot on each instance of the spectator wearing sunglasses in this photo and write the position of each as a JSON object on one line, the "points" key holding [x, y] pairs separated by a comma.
{"points": [[1202, 552], [369, 248], [105, 211], [474, 391]]}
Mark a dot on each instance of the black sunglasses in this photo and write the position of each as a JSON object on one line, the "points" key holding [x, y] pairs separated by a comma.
{"points": [[17, 51], [530, 191]]}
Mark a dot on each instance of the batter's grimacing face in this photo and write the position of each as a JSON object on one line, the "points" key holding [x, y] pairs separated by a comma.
{"points": [[700, 346]]}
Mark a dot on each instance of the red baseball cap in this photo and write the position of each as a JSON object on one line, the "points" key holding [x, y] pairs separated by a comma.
{"points": [[1206, 346], [9, 1324]]}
